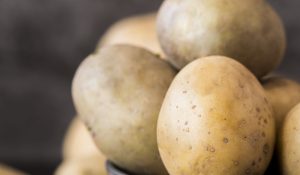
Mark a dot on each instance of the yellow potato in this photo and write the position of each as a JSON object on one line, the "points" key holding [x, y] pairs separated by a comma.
{"points": [[216, 119], [246, 30], [137, 30], [289, 142], [118, 92], [5, 170], [83, 166], [283, 94]]}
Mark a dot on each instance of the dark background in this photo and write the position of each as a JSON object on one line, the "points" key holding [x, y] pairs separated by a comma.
{"points": [[41, 44]]}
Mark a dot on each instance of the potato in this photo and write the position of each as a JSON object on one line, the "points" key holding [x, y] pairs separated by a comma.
{"points": [[5, 170], [215, 119], [83, 166], [137, 30], [283, 94], [79, 144], [246, 30], [290, 143], [118, 93]]}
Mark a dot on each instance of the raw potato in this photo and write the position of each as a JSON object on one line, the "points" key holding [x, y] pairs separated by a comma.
{"points": [[283, 94], [246, 30], [137, 30], [84, 166], [118, 93], [5, 170], [290, 143], [216, 119]]}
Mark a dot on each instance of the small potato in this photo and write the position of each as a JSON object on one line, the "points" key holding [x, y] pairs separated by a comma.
{"points": [[249, 31], [289, 143], [118, 92], [283, 94], [216, 120], [137, 30], [5, 170], [83, 166]]}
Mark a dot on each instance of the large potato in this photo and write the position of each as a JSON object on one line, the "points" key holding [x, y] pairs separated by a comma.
{"points": [[283, 94], [246, 30], [118, 93], [216, 119], [138, 30], [290, 143]]}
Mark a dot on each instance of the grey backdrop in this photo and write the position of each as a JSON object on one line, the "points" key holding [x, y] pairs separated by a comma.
{"points": [[41, 44]]}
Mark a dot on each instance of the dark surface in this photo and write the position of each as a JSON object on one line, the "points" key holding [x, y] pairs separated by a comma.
{"points": [[41, 44]]}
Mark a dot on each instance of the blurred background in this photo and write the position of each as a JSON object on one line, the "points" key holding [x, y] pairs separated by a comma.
{"points": [[42, 43]]}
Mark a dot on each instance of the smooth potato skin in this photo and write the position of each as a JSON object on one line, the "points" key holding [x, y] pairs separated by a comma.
{"points": [[290, 143], [137, 30], [119, 91], [283, 94], [248, 31], [215, 120]]}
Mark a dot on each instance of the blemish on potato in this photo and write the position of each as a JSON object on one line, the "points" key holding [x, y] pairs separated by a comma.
{"points": [[263, 134], [225, 140], [210, 149], [193, 107], [258, 109], [190, 147], [236, 163], [186, 123], [266, 148], [184, 92]]}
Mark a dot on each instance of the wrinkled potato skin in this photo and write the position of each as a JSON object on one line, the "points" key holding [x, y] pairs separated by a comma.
{"points": [[215, 119], [248, 31], [119, 92], [283, 94], [138, 30], [290, 143]]}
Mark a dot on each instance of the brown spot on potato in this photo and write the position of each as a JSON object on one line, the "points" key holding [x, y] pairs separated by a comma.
{"points": [[193, 107], [186, 123], [253, 163], [263, 134], [236, 163], [199, 115], [265, 121], [225, 140], [210, 148], [258, 109], [259, 159], [266, 148], [184, 92], [190, 147]]}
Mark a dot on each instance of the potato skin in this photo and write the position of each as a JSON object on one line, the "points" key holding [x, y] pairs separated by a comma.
{"points": [[290, 143], [248, 31], [283, 94], [137, 30], [119, 92], [215, 119]]}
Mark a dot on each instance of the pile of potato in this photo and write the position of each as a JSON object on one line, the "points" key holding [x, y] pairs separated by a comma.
{"points": [[204, 104]]}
